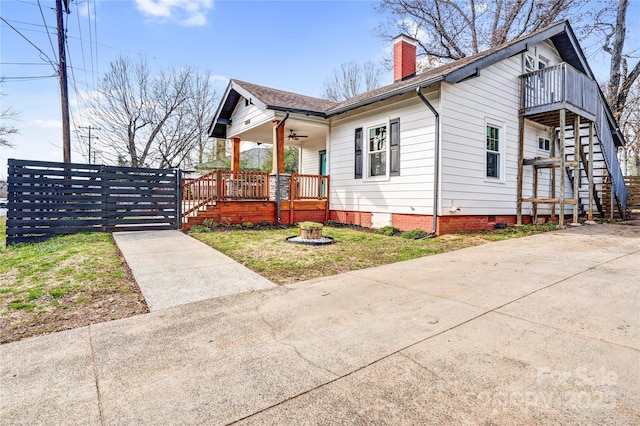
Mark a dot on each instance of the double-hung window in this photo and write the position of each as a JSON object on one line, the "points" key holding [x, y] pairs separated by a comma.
{"points": [[380, 150], [377, 138], [493, 151]]}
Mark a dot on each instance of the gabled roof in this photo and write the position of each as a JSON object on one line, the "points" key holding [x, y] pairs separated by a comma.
{"points": [[560, 34], [265, 98]]}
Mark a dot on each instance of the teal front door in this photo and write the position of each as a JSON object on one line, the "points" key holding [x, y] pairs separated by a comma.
{"points": [[323, 170], [323, 162]]}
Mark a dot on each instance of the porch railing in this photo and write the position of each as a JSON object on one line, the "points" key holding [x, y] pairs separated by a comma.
{"points": [[243, 185], [222, 185], [309, 187], [559, 86]]}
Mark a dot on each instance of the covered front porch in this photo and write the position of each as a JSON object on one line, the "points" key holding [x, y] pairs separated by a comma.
{"points": [[230, 197], [236, 196], [256, 114]]}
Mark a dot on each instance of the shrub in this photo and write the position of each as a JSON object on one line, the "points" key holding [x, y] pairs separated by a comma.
{"points": [[247, 224], [389, 231], [199, 228], [414, 234], [210, 223], [331, 223]]}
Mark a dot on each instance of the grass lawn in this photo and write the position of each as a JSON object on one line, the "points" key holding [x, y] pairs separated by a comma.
{"points": [[65, 282], [267, 253]]}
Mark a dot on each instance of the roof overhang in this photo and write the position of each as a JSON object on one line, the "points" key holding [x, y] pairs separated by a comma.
{"points": [[560, 34], [232, 95]]}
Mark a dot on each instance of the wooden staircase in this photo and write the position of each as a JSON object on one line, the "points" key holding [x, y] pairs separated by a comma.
{"points": [[563, 98]]}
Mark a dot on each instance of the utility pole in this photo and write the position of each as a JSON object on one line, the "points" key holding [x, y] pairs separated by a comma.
{"points": [[64, 91], [89, 127]]}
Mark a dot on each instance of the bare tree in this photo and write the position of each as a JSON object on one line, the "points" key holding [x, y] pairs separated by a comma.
{"points": [[453, 29], [350, 80], [621, 78], [150, 120], [6, 129], [201, 105], [630, 125]]}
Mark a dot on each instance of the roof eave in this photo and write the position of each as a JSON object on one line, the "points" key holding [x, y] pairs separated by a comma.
{"points": [[401, 91], [321, 114], [219, 110]]}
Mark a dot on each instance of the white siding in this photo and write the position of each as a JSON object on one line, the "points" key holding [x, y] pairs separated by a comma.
{"points": [[246, 117], [466, 108], [309, 156], [409, 193]]}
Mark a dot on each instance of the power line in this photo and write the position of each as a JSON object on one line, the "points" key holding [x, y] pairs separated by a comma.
{"points": [[23, 63], [91, 39], [31, 43], [28, 78], [90, 127], [45, 25], [84, 63]]}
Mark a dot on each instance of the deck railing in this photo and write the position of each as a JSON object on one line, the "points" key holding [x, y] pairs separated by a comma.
{"points": [[559, 84], [243, 185], [222, 185], [309, 187]]}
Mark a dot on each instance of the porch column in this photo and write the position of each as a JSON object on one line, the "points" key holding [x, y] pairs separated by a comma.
{"points": [[235, 156], [278, 147]]}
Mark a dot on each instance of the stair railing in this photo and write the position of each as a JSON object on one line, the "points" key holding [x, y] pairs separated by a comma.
{"points": [[610, 154], [197, 193]]}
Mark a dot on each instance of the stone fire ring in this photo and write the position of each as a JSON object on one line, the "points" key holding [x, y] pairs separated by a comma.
{"points": [[322, 241]]}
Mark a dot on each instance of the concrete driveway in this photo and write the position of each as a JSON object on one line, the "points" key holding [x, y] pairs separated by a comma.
{"points": [[544, 329]]}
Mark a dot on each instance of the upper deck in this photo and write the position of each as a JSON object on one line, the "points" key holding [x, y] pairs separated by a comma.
{"points": [[546, 91]]}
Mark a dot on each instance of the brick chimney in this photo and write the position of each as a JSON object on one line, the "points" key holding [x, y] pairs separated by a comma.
{"points": [[404, 57]]}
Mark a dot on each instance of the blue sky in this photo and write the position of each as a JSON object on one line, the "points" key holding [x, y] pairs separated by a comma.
{"points": [[290, 45]]}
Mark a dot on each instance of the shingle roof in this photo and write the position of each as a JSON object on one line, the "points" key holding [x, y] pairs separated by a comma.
{"points": [[453, 72], [281, 99], [443, 71]]}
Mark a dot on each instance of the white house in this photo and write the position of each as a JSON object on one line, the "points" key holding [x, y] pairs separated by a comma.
{"points": [[459, 147]]}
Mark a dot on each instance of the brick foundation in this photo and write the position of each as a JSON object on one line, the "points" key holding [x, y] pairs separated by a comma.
{"points": [[446, 224], [407, 222], [351, 218], [453, 224]]}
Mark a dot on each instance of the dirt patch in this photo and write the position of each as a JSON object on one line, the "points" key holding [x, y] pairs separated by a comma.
{"points": [[64, 283]]}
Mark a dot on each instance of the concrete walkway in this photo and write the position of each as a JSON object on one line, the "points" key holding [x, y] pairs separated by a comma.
{"points": [[173, 269], [540, 330]]}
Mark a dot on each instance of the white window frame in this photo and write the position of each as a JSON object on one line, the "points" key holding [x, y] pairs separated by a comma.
{"points": [[546, 141], [529, 57], [369, 152], [501, 152]]}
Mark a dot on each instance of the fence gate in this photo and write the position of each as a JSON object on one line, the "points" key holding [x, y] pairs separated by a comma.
{"points": [[47, 199]]}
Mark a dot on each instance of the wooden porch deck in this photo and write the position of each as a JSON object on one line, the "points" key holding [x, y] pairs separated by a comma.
{"points": [[236, 197]]}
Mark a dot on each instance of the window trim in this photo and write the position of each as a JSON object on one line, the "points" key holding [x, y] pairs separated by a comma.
{"points": [[502, 138], [368, 152], [393, 148], [547, 142]]}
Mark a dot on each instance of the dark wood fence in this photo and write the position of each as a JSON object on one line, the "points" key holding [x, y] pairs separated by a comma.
{"points": [[47, 199]]}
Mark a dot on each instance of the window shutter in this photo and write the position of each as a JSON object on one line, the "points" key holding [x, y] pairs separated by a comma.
{"points": [[394, 144], [358, 156]]}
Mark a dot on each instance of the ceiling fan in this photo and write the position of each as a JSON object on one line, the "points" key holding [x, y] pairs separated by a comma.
{"points": [[293, 136]]}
